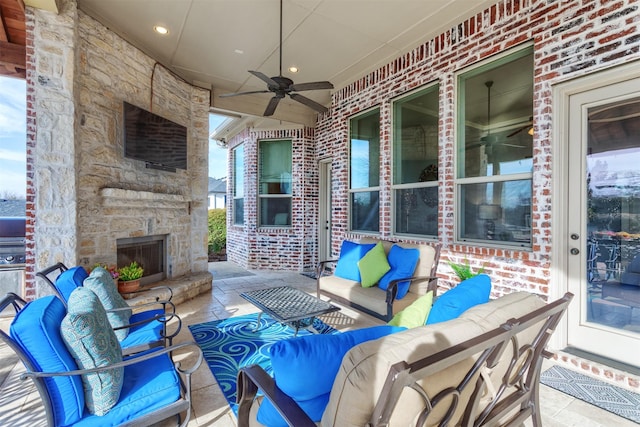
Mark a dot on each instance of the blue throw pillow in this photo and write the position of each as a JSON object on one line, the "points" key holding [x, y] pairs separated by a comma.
{"points": [[456, 301], [403, 262], [89, 338], [350, 254], [102, 284], [70, 279], [305, 368]]}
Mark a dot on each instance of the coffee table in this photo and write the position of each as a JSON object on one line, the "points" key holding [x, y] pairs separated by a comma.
{"points": [[289, 306]]}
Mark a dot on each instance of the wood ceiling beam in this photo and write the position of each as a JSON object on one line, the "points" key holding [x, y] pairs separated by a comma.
{"points": [[13, 55]]}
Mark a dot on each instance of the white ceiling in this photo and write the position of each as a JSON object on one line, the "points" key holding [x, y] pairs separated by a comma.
{"points": [[334, 40]]}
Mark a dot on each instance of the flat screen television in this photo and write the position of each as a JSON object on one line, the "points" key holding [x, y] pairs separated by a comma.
{"points": [[159, 142]]}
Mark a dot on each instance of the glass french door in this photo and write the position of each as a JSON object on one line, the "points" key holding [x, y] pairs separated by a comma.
{"points": [[604, 246]]}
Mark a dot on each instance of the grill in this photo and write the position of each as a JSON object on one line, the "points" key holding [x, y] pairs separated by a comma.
{"points": [[12, 241]]}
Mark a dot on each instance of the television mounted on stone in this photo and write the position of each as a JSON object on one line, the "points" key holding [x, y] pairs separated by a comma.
{"points": [[155, 140]]}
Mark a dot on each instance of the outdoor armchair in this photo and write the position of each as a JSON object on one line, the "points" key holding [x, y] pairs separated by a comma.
{"points": [[136, 331], [144, 389]]}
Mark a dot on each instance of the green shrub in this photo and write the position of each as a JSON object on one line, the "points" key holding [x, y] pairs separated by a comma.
{"points": [[217, 230]]}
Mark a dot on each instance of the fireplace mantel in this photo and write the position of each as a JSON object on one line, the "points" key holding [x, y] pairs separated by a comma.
{"points": [[118, 197]]}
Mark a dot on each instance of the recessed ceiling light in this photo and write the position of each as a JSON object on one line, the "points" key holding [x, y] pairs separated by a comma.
{"points": [[293, 69], [239, 51], [161, 30]]}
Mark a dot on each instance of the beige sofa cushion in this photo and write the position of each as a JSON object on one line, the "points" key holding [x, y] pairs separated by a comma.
{"points": [[365, 367], [372, 298]]}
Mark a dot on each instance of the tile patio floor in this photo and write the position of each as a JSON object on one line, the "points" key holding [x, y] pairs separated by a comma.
{"points": [[20, 406]]}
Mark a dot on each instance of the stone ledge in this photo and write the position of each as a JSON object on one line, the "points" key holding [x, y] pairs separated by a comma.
{"points": [[184, 288], [118, 197]]}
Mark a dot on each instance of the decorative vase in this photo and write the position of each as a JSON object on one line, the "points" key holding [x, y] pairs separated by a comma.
{"points": [[128, 286]]}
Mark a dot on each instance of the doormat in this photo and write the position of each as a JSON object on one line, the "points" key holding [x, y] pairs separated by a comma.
{"points": [[596, 392], [230, 344]]}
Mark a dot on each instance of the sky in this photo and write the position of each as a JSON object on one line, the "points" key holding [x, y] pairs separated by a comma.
{"points": [[13, 128], [13, 125]]}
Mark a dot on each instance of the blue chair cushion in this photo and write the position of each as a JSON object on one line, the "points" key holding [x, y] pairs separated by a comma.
{"points": [[144, 333], [456, 301], [92, 343], [36, 328], [305, 368], [403, 262], [70, 279], [147, 387], [102, 284], [350, 254]]}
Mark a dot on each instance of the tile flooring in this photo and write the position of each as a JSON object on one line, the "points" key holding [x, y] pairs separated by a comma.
{"points": [[20, 406]]}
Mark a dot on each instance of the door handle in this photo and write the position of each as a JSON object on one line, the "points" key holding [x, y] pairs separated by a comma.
{"points": [[574, 251]]}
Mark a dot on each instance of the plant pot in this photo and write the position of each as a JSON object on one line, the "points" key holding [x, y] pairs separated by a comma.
{"points": [[128, 286]]}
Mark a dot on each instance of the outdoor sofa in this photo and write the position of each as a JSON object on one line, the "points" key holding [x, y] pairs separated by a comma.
{"points": [[405, 285], [481, 368]]}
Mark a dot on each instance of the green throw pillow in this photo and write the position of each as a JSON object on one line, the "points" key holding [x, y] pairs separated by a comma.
{"points": [[415, 314], [89, 338], [373, 266]]}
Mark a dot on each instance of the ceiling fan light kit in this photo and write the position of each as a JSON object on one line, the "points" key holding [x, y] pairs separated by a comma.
{"points": [[282, 86]]}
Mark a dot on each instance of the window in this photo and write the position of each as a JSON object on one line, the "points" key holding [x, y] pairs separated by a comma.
{"points": [[415, 163], [364, 172], [494, 150], [238, 185], [275, 183]]}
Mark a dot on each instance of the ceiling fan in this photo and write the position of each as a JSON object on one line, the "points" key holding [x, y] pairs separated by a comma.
{"points": [[491, 140], [282, 86]]}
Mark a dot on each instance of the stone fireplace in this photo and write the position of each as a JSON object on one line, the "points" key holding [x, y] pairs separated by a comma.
{"points": [[148, 251]]}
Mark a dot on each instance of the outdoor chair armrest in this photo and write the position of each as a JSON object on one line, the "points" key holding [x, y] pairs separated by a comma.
{"points": [[322, 265], [129, 361], [253, 377], [392, 289]]}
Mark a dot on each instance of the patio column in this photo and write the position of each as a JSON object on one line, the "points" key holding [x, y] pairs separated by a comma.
{"points": [[51, 141]]}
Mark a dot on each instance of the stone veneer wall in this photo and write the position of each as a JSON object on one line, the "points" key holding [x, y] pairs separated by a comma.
{"points": [[85, 193], [276, 248], [570, 39]]}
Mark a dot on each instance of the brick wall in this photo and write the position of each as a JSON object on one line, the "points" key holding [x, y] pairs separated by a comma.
{"points": [[287, 248], [570, 39]]}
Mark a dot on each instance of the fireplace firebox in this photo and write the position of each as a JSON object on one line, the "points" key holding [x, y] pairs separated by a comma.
{"points": [[148, 251]]}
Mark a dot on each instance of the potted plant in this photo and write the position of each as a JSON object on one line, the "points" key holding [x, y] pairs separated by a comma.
{"points": [[464, 271], [129, 277]]}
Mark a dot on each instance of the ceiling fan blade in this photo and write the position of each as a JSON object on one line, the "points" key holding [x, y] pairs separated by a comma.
{"points": [[308, 102], [311, 86], [271, 108], [228, 95], [265, 78]]}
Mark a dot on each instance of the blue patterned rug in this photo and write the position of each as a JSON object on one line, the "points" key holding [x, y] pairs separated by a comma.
{"points": [[230, 344], [606, 396]]}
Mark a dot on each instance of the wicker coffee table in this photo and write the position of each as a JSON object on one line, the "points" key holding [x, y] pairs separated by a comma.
{"points": [[289, 305]]}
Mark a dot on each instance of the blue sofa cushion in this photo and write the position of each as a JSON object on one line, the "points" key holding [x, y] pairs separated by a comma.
{"points": [[92, 343], [70, 279], [36, 328], [456, 301], [148, 386], [144, 333], [350, 254], [305, 368], [102, 284], [403, 262]]}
